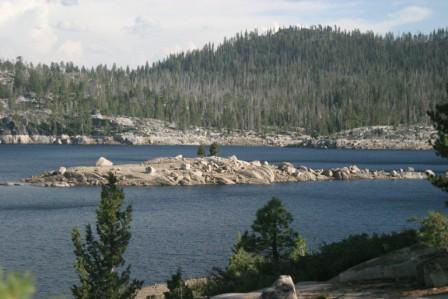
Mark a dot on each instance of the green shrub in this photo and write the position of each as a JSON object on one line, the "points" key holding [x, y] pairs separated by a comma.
{"points": [[16, 286], [214, 149], [254, 265], [201, 151], [260, 255], [298, 250], [177, 287], [433, 230], [243, 264]]}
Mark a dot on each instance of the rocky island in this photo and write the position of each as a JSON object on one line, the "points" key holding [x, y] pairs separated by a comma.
{"points": [[213, 170]]}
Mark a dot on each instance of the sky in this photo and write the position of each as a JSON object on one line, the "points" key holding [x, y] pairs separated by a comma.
{"points": [[132, 32]]}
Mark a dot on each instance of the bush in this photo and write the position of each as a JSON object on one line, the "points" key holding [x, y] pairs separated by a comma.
{"points": [[433, 231], [201, 151], [260, 255], [16, 286], [298, 250], [243, 264], [272, 248], [177, 287], [214, 149]]}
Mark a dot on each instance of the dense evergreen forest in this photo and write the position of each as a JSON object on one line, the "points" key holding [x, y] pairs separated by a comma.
{"points": [[322, 79]]}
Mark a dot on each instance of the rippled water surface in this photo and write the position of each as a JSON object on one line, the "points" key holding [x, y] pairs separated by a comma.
{"points": [[195, 227]]}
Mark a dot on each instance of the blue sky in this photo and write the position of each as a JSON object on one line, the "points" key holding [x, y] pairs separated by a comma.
{"points": [[131, 32]]}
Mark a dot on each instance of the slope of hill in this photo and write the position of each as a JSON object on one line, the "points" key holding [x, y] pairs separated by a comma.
{"points": [[320, 79]]}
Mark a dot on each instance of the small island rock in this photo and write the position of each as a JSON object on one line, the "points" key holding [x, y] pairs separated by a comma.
{"points": [[103, 162]]}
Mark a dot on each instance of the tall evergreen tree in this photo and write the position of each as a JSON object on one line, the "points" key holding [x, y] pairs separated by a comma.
{"points": [[98, 260], [271, 236], [439, 118]]}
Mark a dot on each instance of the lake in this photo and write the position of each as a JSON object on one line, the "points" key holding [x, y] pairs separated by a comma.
{"points": [[195, 227]]}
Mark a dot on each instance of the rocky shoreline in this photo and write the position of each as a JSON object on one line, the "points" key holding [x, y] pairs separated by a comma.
{"points": [[180, 171], [410, 272], [27, 128]]}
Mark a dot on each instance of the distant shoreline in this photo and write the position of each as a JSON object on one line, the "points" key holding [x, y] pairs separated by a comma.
{"points": [[149, 131], [420, 148], [417, 138]]}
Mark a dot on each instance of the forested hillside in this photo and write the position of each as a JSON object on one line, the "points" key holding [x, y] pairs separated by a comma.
{"points": [[322, 79]]}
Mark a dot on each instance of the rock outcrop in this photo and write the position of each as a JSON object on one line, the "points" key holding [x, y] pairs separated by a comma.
{"points": [[283, 288], [427, 266], [433, 272], [331, 290], [103, 162], [374, 137], [208, 170], [30, 127]]}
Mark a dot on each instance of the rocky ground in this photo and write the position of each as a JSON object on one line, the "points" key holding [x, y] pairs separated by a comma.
{"points": [[375, 137], [327, 290], [206, 171], [410, 272], [31, 127]]}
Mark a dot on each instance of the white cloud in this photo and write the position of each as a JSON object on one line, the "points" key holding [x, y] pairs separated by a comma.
{"points": [[131, 32], [25, 25], [71, 50], [67, 25], [408, 15], [405, 16], [142, 26], [69, 2], [12, 9], [42, 37]]}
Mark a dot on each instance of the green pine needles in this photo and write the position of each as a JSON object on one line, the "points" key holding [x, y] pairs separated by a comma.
{"points": [[271, 236], [201, 151], [439, 118], [177, 287], [99, 258], [16, 286], [214, 149]]}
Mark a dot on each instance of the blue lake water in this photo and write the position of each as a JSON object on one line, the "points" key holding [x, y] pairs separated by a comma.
{"points": [[195, 227]]}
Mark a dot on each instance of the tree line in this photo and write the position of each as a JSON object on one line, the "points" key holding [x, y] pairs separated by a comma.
{"points": [[323, 79]]}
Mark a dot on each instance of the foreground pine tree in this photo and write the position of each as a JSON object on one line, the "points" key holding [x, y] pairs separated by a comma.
{"points": [[439, 118], [99, 258], [272, 236], [177, 287]]}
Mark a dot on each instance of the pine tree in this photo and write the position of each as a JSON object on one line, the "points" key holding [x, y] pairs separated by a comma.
{"points": [[433, 230], [177, 287], [201, 151], [214, 149], [272, 236], [439, 118], [98, 259]]}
